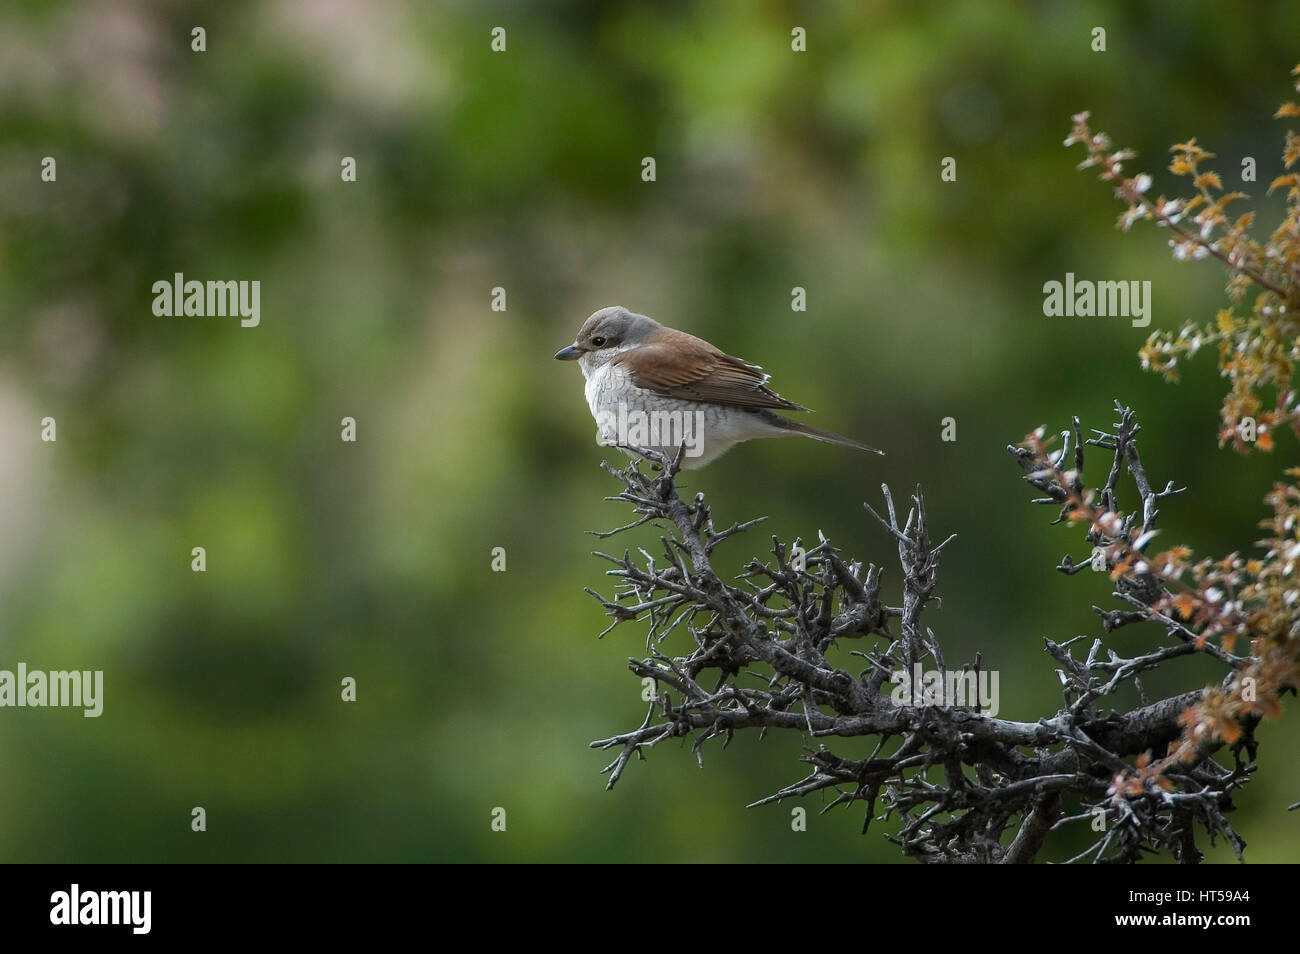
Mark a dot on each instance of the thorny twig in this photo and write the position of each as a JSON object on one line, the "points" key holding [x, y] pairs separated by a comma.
{"points": [[955, 777]]}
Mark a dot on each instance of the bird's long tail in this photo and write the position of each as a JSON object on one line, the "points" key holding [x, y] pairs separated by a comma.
{"points": [[818, 434]]}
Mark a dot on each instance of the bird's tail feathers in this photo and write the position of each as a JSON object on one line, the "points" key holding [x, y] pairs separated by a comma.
{"points": [[818, 434]]}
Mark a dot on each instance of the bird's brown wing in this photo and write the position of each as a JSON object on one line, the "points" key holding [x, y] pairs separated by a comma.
{"points": [[690, 368]]}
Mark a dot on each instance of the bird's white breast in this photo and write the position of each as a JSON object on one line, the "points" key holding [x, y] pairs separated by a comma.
{"points": [[604, 387], [615, 401]]}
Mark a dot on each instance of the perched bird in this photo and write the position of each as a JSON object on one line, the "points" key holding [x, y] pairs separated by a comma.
{"points": [[661, 389]]}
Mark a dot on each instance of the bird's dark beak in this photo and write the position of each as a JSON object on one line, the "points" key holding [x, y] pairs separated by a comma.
{"points": [[571, 353]]}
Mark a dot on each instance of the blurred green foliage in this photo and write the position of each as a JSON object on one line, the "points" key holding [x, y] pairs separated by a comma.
{"points": [[522, 170]]}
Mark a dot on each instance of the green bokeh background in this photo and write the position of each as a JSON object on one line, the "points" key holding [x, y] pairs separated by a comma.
{"points": [[522, 170]]}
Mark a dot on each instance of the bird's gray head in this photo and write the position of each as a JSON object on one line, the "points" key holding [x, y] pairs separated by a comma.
{"points": [[605, 334]]}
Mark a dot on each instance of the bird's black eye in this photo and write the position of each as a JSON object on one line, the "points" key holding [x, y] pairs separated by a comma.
{"points": [[598, 340]]}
